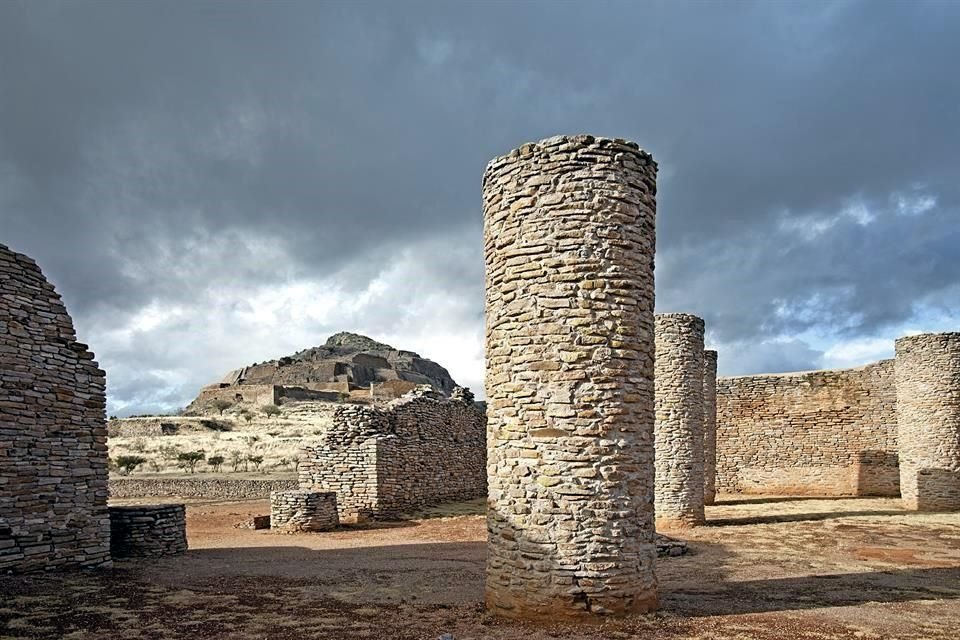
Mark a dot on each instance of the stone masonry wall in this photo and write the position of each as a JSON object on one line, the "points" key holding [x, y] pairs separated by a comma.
{"points": [[148, 531], [928, 412], [418, 450], [569, 249], [302, 511], [53, 436], [679, 420], [828, 433], [209, 488], [709, 427]]}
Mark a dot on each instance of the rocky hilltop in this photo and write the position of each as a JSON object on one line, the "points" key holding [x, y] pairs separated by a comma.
{"points": [[345, 358]]}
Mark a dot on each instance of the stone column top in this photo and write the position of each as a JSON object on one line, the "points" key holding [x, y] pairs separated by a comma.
{"points": [[923, 338], [569, 142], [683, 318]]}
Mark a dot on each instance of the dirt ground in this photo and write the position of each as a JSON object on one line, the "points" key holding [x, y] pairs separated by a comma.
{"points": [[764, 568]]}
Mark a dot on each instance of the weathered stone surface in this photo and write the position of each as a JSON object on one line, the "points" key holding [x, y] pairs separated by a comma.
{"points": [[829, 433], [418, 450], [679, 420], [53, 450], [928, 416], [303, 511], [709, 426], [210, 488], [148, 531], [569, 248]]}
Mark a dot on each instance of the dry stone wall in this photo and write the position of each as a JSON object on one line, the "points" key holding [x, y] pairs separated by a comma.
{"points": [[928, 413], [209, 488], [148, 531], [828, 433], [709, 426], [383, 462], [303, 511], [569, 248], [679, 420], [53, 436]]}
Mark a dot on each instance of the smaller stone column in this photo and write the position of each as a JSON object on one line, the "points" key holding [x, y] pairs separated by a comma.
{"points": [[709, 426], [302, 511], [927, 370], [678, 390], [148, 531]]}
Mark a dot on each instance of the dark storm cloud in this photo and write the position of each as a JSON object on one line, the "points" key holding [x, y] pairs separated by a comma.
{"points": [[157, 154]]}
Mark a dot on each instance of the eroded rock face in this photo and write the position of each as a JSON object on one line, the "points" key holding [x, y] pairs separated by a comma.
{"points": [[347, 359], [569, 248]]}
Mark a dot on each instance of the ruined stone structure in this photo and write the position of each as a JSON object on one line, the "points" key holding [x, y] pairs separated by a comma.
{"points": [[679, 420], [383, 462], [928, 413], [53, 451], [569, 248], [347, 365], [148, 531], [303, 511], [709, 427], [828, 433]]}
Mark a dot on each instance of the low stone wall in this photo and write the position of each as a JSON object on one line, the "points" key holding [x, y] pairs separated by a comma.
{"points": [[300, 511], [828, 433], [212, 488], [148, 531], [385, 462]]}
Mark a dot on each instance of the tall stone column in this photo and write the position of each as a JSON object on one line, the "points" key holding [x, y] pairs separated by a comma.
{"points": [[679, 421], [569, 247], [709, 426], [927, 370]]}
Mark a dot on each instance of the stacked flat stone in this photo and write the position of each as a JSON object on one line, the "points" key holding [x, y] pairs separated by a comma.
{"points": [[303, 511], [384, 462], [928, 420], [709, 427], [569, 248], [827, 433], [679, 420], [53, 435], [148, 531]]}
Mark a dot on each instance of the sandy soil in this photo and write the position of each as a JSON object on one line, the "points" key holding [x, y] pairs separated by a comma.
{"points": [[765, 568]]}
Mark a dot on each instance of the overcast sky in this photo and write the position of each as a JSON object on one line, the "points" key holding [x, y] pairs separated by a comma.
{"points": [[213, 184]]}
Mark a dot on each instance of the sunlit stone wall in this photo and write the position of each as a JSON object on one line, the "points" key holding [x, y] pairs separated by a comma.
{"points": [[569, 247], [679, 422]]}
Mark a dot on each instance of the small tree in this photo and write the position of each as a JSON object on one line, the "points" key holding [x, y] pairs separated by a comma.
{"points": [[236, 459], [256, 461], [216, 462], [190, 459], [270, 410], [247, 415], [127, 464], [221, 405]]}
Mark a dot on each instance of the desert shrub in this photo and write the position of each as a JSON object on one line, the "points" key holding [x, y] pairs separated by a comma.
{"points": [[247, 415], [270, 410], [216, 462], [189, 459], [273, 434], [154, 465], [127, 464], [236, 459], [139, 445], [256, 461], [216, 425], [221, 405]]}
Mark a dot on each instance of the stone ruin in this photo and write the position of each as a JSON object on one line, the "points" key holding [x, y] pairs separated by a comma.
{"points": [[679, 433], [384, 462], [53, 435], [347, 366], [569, 247], [709, 426]]}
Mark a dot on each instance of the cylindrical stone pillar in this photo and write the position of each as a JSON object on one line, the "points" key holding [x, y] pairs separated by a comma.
{"points": [[679, 422], [709, 427], [569, 248], [927, 370]]}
